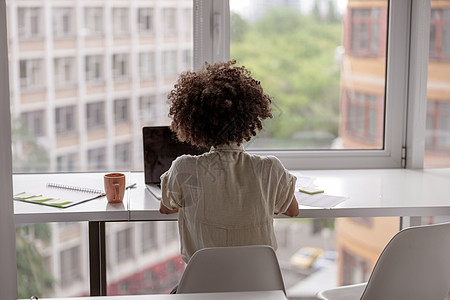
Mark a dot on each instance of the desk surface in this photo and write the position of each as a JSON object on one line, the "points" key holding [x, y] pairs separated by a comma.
{"points": [[266, 295], [95, 210], [370, 193]]}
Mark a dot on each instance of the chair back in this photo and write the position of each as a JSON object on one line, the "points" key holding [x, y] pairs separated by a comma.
{"points": [[414, 265], [232, 269]]}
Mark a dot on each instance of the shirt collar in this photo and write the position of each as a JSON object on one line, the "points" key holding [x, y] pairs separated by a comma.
{"points": [[226, 147]]}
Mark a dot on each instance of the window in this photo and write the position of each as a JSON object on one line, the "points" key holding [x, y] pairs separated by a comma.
{"points": [[29, 22], [146, 65], [120, 66], [363, 111], [187, 22], [65, 120], [171, 232], [33, 122], [311, 79], [66, 162], [147, 108], [93, 21], [124, 245], [96, 159], [438, 126], [70, 266], [437, 131], [62, 22], [169, 21], [95, 115], [149, 237], [121, 111], [365, 31], [122, 156], [187, 59], [31, 73], [145, 20], [356, 269], [64, 73], [440, 34], [121, 21], [169, 64], [94, 68]]}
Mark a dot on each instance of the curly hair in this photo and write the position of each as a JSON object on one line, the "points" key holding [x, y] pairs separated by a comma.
{"points": [[219, 104]]}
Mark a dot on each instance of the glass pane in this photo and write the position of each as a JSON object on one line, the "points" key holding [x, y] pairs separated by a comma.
{"points": [[52, 260], [437, 146], [142, 258], [312, 58], [77, 85], [318, 254]]}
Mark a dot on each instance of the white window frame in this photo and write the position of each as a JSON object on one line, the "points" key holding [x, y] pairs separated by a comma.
{"points": [[404, 107]]}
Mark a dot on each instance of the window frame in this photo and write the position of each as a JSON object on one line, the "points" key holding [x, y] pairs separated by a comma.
{"points": [[211, 31]]}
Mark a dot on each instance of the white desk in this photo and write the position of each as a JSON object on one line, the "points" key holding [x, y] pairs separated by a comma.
{"points": [[371, 193], [266, 295]]}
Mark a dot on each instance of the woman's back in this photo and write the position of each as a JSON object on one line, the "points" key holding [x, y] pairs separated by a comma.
{"points": [[227, 197]]}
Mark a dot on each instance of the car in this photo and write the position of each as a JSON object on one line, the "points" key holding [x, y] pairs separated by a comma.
{"points": [[305, 257], [327, 258]]}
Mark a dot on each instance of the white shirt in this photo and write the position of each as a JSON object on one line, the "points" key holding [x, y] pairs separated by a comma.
{"points": [[226, 197]]}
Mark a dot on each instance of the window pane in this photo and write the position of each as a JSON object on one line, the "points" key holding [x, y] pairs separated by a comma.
{"points": [[108, 74], [142, 257], [52, 259], [437, 138], [316, 61]]}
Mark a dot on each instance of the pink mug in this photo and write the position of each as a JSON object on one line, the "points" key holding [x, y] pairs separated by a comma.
{"points": [[114, 187]]}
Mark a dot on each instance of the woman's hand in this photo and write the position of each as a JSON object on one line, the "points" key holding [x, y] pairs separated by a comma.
{"points": [[164, 210]]}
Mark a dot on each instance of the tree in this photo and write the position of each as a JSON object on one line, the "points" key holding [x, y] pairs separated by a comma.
{"points": [[32, 277], [293, 57], [239, 27], [28, 155]]}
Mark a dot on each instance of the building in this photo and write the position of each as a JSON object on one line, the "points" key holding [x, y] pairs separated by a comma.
{"points": [[362, 120], [87, 75]]}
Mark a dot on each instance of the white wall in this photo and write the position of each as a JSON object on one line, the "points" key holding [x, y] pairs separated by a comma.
{"points": [[8, 279]]}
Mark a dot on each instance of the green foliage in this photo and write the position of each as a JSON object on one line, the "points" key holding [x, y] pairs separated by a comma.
{"points": [[28, 155], [239, 27], [293, 57], [32, 277]]}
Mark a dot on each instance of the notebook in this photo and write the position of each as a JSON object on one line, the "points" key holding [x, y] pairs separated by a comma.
{"points": [[161, 147]]}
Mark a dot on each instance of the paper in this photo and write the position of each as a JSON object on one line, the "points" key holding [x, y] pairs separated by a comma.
{"points": [[318, 200]]}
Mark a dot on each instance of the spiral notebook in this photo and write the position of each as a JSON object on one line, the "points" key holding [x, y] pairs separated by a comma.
{"points": [[59, 195]]}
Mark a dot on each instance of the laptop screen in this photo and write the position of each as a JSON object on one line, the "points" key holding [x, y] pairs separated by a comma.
{"points": [[161, 147]]}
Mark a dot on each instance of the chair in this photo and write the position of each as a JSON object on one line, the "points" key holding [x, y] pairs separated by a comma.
{"points": [[232, 269], [415, 265]]}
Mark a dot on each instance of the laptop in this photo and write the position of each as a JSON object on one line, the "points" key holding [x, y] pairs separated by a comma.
{"points": [[161, 147]]}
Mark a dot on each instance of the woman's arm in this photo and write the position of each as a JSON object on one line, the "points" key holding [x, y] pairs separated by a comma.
{"points": [[292, 210]]}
